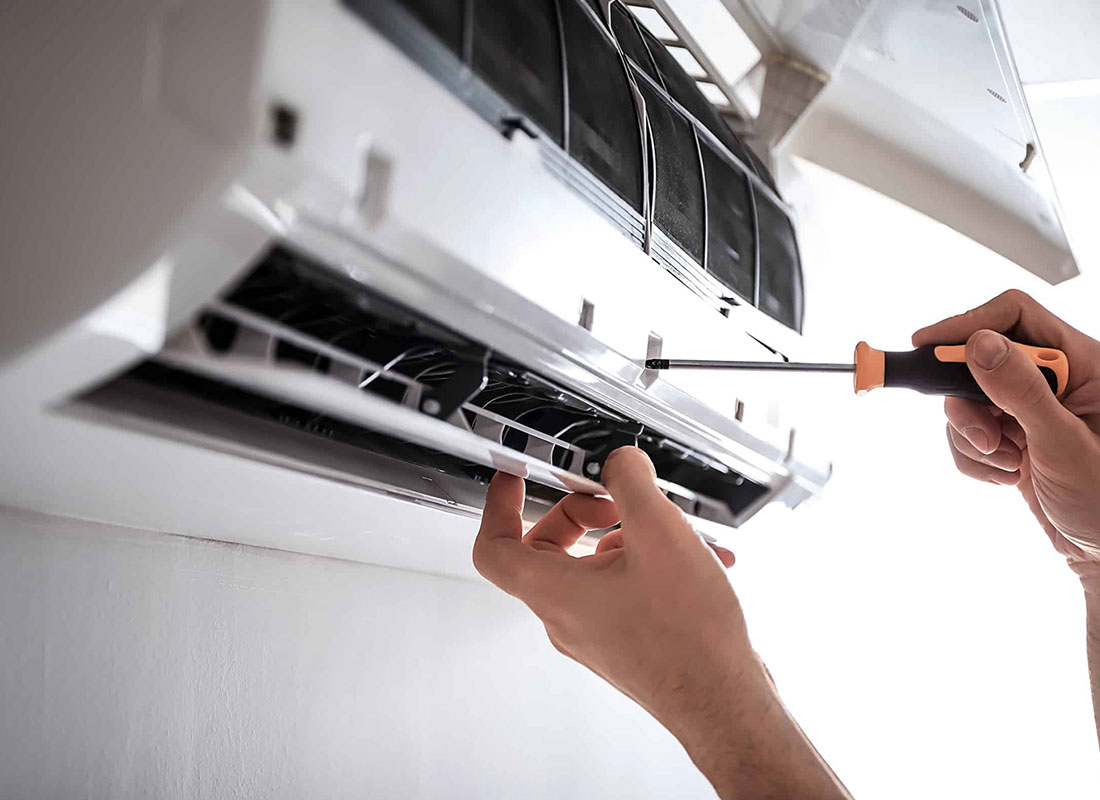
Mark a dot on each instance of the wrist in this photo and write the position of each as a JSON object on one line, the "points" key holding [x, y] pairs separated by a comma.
{"points": [[747, 745]]}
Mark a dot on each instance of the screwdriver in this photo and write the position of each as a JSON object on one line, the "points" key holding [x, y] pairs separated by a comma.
{"points": [[935, 369]]}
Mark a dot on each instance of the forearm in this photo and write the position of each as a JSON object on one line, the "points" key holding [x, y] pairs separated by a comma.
{"points": [[748, 746], [1092, 643]]}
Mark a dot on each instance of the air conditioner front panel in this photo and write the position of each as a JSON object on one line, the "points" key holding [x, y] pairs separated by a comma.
{"points": [[392, 184]]}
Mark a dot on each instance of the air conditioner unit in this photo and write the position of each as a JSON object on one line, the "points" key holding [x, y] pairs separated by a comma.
{"points": [[290, 273]]}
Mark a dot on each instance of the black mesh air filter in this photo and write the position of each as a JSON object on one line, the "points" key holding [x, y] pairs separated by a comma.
{"points": [[780, 268], [517, 50], [731, 251], [604, 134], [679, 209], [445, 18], [683, 88], [625, 28]]}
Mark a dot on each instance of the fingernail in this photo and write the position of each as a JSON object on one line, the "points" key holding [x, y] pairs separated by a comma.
{"points": [[628, 449], [1009, 462], [978, 438], [990, 350]]}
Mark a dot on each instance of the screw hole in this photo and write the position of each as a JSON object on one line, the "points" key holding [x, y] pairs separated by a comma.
{"points": [[284, 125]]}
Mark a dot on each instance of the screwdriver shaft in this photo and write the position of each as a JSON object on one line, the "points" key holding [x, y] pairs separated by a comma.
{"points": [[779, 366]]}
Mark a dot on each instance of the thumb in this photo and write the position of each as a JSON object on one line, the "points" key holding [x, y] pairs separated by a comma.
{"points": [[646, 513], [1012, 381]]}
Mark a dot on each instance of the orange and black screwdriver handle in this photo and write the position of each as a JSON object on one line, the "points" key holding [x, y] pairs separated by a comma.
{"points": [[942, 370]]}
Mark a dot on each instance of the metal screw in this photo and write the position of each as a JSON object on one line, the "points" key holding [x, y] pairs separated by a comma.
{"points": [[431, 406], [592, 468]]}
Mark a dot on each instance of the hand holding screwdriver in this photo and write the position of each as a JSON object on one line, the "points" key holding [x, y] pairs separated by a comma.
{"points": [[1049, 449]]}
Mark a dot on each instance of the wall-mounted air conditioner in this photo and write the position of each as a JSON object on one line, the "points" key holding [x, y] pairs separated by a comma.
{"points": [[380, 249]]}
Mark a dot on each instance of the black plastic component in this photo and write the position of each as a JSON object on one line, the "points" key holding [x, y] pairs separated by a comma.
{"points": [[597, 7], [467, 377], [731, 246], [517, 49], [921, 371], [629, 37], [509, 126], [220, 332], [445, 18], [604, 134], [780, 269], [679, 210]]}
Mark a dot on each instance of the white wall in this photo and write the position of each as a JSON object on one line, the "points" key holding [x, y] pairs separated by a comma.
{"points": [[135, 664]]}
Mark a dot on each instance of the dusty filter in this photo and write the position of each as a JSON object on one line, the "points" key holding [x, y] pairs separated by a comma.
{"points": [[620, 122]]}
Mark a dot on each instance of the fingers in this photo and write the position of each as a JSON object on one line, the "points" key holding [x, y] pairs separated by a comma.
{"points": [[610, 541], [1012, 381], [975, 422], [499, 554], [502, 517], [976, 469], [568, 521], [614, 541], [1011, 311], [646, 513], [1006, 457]]}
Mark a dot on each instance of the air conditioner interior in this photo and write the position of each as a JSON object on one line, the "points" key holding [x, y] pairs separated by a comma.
{"points": [[620, 121], [291, 315]]}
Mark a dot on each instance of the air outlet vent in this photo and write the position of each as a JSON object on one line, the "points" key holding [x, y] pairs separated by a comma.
{"points": [[297, 345]]}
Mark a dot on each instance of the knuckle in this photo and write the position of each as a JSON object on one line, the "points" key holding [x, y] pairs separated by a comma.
{"points": [[1033, 393], [481, 561], [490, 564], [1017, 297]]}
